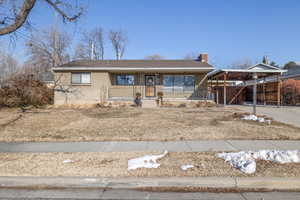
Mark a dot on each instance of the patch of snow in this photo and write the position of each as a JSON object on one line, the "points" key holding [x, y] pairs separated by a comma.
{"points": [[245, 160], [90, 179], [68, 161], [186, 167], [148, 161], [255, 118]]}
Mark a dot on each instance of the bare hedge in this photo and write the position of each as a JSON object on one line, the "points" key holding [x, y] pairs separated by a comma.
{"points": [[24, 90]]}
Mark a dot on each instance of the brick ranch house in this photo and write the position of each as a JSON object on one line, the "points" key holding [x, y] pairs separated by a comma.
{"points": [[99, 81]]}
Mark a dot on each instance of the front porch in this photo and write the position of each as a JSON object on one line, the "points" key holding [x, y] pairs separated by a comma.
{"points": [[173, 86]]}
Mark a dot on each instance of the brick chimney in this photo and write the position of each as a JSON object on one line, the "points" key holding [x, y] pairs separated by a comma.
{"points": [[203, 57]]}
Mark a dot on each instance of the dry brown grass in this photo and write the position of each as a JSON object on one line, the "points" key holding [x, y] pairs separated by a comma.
{"points": [[135, 124], [115, 165]]}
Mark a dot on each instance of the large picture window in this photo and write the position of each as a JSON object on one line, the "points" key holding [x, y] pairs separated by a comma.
{"points": [[179, 83], [81, 78], [125, 79]]}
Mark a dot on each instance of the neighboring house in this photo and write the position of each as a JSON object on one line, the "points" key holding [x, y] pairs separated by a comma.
{"points": [[293, 72], [89, 82]]}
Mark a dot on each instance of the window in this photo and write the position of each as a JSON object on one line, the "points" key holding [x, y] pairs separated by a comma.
{"points": [[168, 83], [125, 79], [81, 78], [179, 83], [189, 83]]}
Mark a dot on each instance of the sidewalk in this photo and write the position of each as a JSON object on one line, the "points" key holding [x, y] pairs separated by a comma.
{"points": [[172, 146]]}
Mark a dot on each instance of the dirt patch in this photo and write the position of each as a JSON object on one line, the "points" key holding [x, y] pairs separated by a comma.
{"points": [[115, 165], [137, 124]]}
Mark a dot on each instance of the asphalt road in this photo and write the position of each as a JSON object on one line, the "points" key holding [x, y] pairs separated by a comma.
{"points": [[138, 195]]}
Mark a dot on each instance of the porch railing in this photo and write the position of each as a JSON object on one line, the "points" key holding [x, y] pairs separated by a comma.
{"points": [[129, 92], [121, 91]]}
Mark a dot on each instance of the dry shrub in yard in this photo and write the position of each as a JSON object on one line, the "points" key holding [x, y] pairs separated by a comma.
{"points": [[23, 90]]}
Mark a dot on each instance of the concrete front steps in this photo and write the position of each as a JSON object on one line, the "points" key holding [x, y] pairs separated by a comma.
{"points": [[149, 103]]}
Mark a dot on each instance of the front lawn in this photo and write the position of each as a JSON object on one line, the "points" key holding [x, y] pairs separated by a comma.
{"points": [[136, 124]]}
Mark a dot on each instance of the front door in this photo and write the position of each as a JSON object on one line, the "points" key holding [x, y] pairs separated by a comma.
{"points": [[150, 85]]}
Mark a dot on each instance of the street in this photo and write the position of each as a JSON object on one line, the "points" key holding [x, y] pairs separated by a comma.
{"points": [[137, 195]]}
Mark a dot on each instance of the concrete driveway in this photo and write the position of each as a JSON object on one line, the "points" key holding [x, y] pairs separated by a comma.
{"points": [[286, 114]]}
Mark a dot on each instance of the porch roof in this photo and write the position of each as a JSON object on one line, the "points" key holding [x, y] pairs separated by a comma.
{"points": [[137, 66]]}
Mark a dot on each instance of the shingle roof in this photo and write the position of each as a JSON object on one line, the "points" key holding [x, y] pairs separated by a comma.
{"points": [[137, 63]]}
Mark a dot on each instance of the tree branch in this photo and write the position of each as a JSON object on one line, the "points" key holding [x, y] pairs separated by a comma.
{"points": [[20, 19], [62, 13]]}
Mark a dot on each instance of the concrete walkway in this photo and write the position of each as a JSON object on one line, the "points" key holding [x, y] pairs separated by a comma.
{"points": [[175, 146], [286, 114]]}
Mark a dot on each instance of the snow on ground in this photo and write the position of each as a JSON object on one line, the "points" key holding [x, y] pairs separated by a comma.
{"points": [[245, 160], [255, 118], [68, 161], [148, 161], [186, 167]]}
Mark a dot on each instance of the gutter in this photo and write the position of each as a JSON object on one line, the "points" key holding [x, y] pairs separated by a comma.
{"points": [[131, 68]]}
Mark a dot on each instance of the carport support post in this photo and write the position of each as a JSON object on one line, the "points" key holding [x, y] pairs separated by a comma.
{"points": [[254, 93], [278, 91], [217, 91], [264, 90], [225, 78]]}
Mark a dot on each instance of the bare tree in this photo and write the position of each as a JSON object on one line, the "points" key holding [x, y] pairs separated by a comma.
{"points": [[14, 13], [8, 66], [119, 42], [81, 52], [48, 49], [191, 56], [242, 64], [92, 45], [154, 57]]}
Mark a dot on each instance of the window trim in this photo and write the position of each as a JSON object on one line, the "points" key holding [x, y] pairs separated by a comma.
{"points": [[116, 79], [81, 78]]}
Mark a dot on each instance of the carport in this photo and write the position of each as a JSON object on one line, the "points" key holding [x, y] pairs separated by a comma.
{"points": [[252, 76]]}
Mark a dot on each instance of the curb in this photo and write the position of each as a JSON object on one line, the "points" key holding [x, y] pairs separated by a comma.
{"points": [[213, 184]]}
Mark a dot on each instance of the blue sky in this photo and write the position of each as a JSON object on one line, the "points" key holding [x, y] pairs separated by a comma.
{"points": [[228, 30]]}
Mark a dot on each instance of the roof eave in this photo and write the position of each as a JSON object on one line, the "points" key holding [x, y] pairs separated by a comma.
{"points": [[136, 69]]}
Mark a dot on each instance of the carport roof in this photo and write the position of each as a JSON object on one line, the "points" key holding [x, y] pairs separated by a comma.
{"points": [[262, 70]]}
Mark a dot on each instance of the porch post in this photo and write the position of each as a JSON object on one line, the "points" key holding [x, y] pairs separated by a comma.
{"points": [[254, 93], [224, 84]]}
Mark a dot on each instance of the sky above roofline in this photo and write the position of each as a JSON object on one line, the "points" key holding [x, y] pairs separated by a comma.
{"points": [[228, 30]]}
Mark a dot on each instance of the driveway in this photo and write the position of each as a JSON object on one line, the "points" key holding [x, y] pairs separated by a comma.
{"points": [[285, 114]]}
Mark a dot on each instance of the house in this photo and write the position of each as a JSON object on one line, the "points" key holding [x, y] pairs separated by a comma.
{"points": [[293, 71], [95, 81]]}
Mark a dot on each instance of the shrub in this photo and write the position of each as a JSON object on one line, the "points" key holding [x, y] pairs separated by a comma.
{"points": [[23, 90], [160, 94]]}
